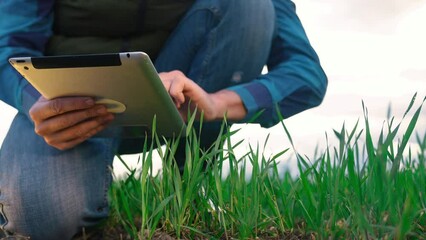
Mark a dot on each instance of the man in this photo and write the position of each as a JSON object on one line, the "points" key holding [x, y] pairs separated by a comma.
{"points": [[54, 175]]}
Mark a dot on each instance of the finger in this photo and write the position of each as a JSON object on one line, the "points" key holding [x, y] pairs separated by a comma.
{"points": [[178, 99], [183, 114], [172, 82], [44, 109], [176, 90], [72, 143], [75, 142], [68, 145], [82, 130], [67, 120], [193, 91], [166, 79], [167, 84]]}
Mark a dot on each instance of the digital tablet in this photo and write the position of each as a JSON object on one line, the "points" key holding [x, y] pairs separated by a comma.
{"points": [[127, 83]]}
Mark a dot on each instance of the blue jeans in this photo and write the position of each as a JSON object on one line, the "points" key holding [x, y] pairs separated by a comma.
{"points": [[50, 194]]}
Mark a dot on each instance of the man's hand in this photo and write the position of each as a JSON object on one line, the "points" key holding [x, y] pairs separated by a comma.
{"points": [[183, 89], [187, 96], [66, 122]]}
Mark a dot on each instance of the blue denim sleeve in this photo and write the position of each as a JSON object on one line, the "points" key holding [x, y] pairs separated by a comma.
{"points": [[25, 27], [295, 80]]}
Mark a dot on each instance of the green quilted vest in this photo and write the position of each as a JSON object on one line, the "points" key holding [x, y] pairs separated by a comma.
{"points": [[105, 26]]}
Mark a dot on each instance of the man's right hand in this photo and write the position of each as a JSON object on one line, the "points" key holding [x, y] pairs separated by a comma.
{"points": [[68, 121]]}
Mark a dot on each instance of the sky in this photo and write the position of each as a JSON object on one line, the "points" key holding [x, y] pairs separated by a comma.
{"points": [[372, 51]]}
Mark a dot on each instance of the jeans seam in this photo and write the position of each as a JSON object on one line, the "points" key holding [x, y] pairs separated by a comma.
{"points": [[207, 58], [107, 150], [211, 36]]}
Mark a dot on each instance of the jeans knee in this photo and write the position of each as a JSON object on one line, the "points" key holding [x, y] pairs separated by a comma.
{"points": [[50, 194], [249, 11], [253, 20], [41, 214], [260, 13]]}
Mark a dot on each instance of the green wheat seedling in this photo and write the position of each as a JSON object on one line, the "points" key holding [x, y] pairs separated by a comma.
{"points": [[362, 188]]}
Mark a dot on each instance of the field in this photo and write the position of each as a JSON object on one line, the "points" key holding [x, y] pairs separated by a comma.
{"points": [[363, 188]]}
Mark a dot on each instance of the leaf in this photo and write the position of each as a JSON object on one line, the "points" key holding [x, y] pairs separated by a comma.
{"points": [[406, 138]]}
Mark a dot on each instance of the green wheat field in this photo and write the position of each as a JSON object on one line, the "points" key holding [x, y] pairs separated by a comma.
{"points": [[363, 188]]}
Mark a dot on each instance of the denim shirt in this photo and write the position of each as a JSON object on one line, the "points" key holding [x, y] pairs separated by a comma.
{"points": [[295, 80]]}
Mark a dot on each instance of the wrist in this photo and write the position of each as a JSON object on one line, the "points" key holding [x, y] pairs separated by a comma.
{"points": [[219, 106], [228, 104]]}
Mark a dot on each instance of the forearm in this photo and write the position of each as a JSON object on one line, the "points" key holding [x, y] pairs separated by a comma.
{"points": [[25, 33]]}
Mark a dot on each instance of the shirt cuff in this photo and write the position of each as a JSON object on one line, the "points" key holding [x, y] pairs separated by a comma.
{"points": [[29, 96], [255, 96]]}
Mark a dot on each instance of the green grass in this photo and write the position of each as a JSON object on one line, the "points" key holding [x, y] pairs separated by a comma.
{"points": [[363, 188]]}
